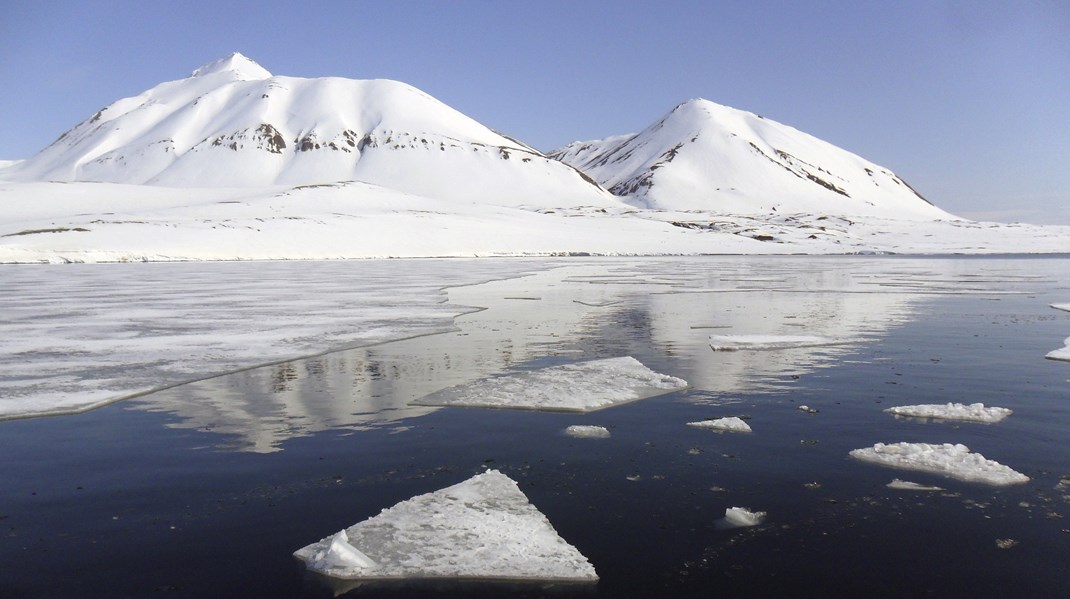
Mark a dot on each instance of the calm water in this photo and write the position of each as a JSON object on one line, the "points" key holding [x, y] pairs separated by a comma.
{"points": [[207, 489]]}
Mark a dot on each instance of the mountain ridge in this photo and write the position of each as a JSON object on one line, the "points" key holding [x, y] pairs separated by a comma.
{"points": [[705, 156], [232, 123]]}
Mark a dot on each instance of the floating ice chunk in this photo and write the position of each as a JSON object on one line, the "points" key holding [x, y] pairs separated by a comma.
{"points": [[906, 485], [341, 554], [769, 342], [577, 387], [976, 412], [741, 516], [955, 461], [1061, 354], [1064, 307], [587, 431], [482, 528], [733, 424]]}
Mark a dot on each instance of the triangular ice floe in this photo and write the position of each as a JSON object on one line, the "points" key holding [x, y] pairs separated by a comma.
{"points": [[953, 460], [482, 528], [577, 387]]}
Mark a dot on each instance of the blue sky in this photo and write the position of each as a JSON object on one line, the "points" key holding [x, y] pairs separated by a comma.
{"points": [[969, 101]]}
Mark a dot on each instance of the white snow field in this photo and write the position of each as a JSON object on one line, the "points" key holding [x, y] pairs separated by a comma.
{"points": [[1061, 354], [482, 528], [741, 516], [576, 387], [952, 460], [975, 412], [733, 424], [234, 163], [587, 431], [769, 342]]}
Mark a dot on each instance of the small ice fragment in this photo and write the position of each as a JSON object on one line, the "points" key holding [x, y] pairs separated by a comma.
{"points": [[587, 431], [808, 409], [1005, 543], [576, 387], [1061, 354], [769, 342], [976, 412], [955, 461], [482, 528], [733, 424], [741, 516], [906, 485], [343, 555]]}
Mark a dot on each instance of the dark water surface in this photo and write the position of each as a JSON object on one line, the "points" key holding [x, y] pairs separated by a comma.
{"points": [[206, 490]]}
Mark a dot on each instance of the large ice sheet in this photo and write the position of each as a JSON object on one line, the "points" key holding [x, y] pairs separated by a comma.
{"points": [[577, 387], [769, 342], [482, 528], [1064, 307], [975, 412], [74, 337], [953, 460]]}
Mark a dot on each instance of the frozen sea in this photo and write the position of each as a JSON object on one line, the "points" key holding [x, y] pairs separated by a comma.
{"points": [[207, 488]]}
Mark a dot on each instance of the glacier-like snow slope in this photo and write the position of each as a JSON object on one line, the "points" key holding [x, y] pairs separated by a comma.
{"points": [[232, 163], [232, 124], [705, 156]]}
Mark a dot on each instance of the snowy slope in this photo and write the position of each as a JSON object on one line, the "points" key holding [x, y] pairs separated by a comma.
{"points": [[704, 156], [232, 124]]}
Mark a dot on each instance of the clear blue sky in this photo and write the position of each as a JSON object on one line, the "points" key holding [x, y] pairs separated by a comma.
{"points": [[968, 100]]}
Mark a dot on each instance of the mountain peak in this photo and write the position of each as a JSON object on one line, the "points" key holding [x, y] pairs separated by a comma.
{"points": [[245, 68]]}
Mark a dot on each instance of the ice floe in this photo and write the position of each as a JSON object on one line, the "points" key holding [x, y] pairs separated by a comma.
{"points": [[482, 528], [733, 424], [953, 460], [576, 387], [1061, 354], [906, 485], [587, 431], [769, 342], [1064, 307], [741, 516], [976, 412]]}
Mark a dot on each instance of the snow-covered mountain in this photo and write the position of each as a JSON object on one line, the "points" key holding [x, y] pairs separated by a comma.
{"points": [[232, 163], [232, 124], [709, 157]]}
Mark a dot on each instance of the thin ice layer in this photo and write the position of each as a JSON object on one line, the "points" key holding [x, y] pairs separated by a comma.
{"points": [[578, 387], [482, 528], [733, 424], [769, 342], [976, 412], [955, 461]]}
